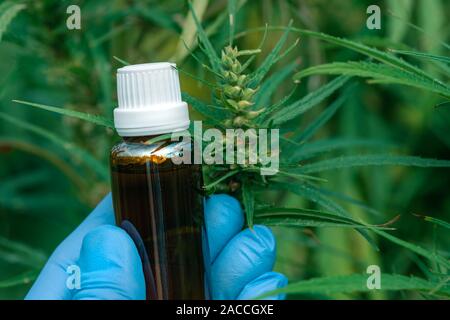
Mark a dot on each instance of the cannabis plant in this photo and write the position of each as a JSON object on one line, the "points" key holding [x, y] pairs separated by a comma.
{"points": [[243, 95]]}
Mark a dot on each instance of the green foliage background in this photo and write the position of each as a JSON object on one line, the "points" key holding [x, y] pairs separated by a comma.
{"points": [[55, 169]]}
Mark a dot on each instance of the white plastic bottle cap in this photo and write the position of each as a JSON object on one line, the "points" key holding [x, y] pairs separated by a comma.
{"points": [[149, 100]]}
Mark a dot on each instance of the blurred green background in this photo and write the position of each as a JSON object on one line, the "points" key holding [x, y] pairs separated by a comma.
{"points": [[45, 190]]}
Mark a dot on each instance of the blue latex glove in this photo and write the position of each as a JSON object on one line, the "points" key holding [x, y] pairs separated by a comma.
{"points": [[241, 260]]}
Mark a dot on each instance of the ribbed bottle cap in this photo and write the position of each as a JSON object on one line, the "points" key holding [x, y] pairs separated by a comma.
{"points": [[149, 100]]}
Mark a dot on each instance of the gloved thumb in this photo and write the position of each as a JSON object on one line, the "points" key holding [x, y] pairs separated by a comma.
{"points": [[110, 266]]}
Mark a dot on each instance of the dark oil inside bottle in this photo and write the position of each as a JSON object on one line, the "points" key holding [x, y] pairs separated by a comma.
{"points": [[160, 205]]}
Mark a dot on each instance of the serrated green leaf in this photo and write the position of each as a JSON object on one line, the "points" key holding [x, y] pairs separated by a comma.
{"points": [[296, 222], [326, 115], [380, 73], [296, 217], [95, 119], [212, 112], [415, 248], [374, 53], [210, 30], [423, 55], [262, 118], [312, 149], [371, 160], [310, 193], [187, 37], [269, 86], [314, 195], [358, 283], [346, 198], [271, 58], [436, 221], [301, 177], [204, 40], [309, 101]]}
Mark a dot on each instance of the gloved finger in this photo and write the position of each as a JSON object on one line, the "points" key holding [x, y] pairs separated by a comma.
{"points": [[266, 282], [110, 266], [247, 256], [51, 283], [224, 219]]}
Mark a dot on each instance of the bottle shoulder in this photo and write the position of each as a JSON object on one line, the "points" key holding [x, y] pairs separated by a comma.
{"points": [[139, 151]]}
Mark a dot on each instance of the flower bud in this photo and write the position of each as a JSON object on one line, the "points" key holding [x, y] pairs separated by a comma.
{"points": [[239, 121], [244, 104]]}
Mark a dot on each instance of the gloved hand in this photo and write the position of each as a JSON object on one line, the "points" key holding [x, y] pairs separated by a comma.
{"points": [[240, 267]]}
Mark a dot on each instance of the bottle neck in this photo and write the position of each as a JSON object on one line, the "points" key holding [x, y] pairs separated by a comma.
{"points": [[143, 139], [138, 139]]}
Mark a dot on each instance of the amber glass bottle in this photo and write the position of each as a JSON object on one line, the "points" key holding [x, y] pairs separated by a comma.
{"points": [[157, 201]]}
